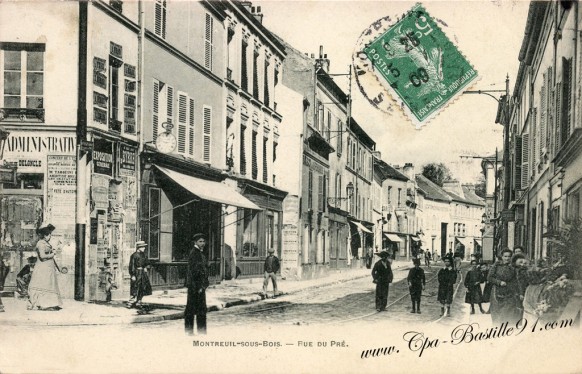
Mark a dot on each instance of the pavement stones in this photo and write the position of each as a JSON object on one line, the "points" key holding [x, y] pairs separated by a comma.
{"points": [[167, 305]]}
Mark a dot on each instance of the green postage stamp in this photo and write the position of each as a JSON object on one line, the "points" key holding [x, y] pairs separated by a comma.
{"points": [[415, 62]]}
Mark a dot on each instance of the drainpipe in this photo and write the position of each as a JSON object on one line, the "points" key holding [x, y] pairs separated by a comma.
{"points": [[81, 214], [140, 102]]}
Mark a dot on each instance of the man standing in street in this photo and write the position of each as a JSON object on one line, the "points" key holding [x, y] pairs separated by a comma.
{"points": [[196, 282], [271, 269], [382, 274], [140, 283]]}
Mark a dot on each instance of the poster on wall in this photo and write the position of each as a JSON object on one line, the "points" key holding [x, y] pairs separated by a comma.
{"points": [[61, 185], [103, 157], [127, 160]]}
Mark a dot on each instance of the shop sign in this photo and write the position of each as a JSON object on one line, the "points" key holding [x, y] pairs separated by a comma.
{"points": [[28, 150], [103, 157], [291, 210], [127, 160]]}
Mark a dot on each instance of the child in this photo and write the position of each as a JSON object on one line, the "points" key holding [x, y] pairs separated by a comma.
{"points": [[473, 281], [416, 282], [447, 278]]}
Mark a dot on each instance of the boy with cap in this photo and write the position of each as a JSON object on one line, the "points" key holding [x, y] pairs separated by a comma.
{"points": [[197, 283], [271, 269], [416, 282], [140, 282]]}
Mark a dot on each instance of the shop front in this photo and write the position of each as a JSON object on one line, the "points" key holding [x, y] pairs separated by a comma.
{"points": [[176, 204], [43, 189], [339, 235], [392, 244]]}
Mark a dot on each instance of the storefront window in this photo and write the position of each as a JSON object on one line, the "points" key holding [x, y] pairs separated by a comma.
{"points": [[26, 182], [153, 224], [250, 234]]}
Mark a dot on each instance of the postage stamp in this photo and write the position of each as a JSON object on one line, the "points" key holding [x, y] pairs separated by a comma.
{"points": [[415, 62]]}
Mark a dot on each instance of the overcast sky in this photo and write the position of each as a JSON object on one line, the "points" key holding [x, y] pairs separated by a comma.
{"points": [[488, 33]]}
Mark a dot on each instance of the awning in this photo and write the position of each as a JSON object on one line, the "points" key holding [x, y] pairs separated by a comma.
{"points": [[415, 238], [210, 190], [393, 238], [479, 242], [361, 227], [464, 241]]}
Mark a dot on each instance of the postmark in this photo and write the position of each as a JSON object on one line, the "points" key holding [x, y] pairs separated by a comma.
{"points": [[414, 62]]}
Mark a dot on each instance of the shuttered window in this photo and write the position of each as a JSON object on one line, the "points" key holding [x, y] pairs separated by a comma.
{"points": [[243, 67], [328, 126], [265, 161], [534, 143], [558, 137], [566, 99], [255, 75], [243, 156], [255, 170], [543, 109], [525, 161], [207, 126], [182, 122], [310, 190], [208, 40], [156, 110], [320, 193], [340, 144], [160, 18], [266, 98], [191, 128], [518, 161]]}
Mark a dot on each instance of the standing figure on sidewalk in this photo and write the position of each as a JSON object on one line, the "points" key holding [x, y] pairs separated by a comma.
{"points": [[473, 281], [24, 275], [447, 277], [503, 277], [4, 270], [427, 258], [416, 282], [382, 274], [197, 283], [271, 269], [140, 282], [43, 290]]}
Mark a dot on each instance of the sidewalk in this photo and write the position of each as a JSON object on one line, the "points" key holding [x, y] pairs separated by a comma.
{"points": [[168, 305]]}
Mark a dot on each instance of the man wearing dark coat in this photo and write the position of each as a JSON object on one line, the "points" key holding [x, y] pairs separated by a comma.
{"points": [[447, 278], [140, 282], [382, 274], [196, 282], [416, 282], [473, 281], [450, 256]]}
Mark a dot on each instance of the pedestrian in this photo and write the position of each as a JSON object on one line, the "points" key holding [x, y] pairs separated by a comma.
{"points": [[473, 280], [43, 289], [518, 250], [447, 277], [271, 268], [450, 256], [503, 277], [106, 280], [487, 286], [383, 276], [427, 258], [4, 270], [197, 283], [458, 258], [24, 275], [416, 283], [140, 282], [519, 263]]}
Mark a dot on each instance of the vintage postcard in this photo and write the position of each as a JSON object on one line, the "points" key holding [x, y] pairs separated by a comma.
{"points": [[278, 186]]}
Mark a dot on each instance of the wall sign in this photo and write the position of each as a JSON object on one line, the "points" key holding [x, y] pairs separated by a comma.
{"points": [[103, 157]]}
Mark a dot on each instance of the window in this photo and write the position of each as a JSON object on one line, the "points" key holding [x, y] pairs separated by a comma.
{"points": [[183, 123], [389, 195], [573, 205], [265, 161], [399, 197], [339, 134], [243, 64], [255, 166], [208, 39], [23, 75], [320, 185], [152, 225], [162, 108], [191, 128], [160, 18], [338, 187], [566, 104], [243, 157], [310, 190], [266, 99], [207, 124], [275, 151], [250, 233], [255, 75], [328, 126]]}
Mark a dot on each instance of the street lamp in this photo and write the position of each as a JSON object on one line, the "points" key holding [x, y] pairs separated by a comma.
{"points": [[349, 192]]}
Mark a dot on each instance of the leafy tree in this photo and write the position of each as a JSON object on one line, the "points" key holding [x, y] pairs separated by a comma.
{"points": [[437, 173], [480, 188]]}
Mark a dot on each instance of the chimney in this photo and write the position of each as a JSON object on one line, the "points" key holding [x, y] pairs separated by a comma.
{"points": [[453, 186], [322, 62], [256, 11], [409, 170]]}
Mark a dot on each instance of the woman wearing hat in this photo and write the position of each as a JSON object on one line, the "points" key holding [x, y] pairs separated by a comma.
{"points": [[382, 274], [140, 282], [43, 290]]}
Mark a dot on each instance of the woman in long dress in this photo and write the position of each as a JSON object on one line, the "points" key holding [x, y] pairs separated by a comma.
{"points": [[43, 290], [505, 290]]}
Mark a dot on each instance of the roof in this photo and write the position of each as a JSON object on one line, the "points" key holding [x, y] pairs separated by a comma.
{"points": [[472, 196], [388, 172], [432, 190], [361, 134], [327, 81]]}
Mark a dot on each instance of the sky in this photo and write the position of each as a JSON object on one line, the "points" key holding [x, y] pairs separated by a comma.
{"points": [[488, 33]]}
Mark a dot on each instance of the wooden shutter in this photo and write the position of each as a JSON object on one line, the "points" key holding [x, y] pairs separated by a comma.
{"points": [[243, 156], [310, 190], [182, 121], [191, 128], [558, 141], [208, 36], [320, 193], [265, 170], [543, 109], [170, 105], [156, 110], [535, 141], [158, 18], [518, 162], [525, 161], [255, 167], [207, 120]]}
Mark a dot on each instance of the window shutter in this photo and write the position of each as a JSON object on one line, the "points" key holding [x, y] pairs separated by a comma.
{"points": [[170, 105], [208, 35], [328, 126], [518, 162], [310, 190], [158, 18], [543, 98], [265, 171], [182, 121], [191, 128], [339, 137], [535, 141], [568, 98], [255, 167], [156, 110], [243, 67], [207, 117], [525, 161], [320, 193], [243, 157], [558, 141]]}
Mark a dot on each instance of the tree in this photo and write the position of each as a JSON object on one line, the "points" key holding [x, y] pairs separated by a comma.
{"points": [[437, 173], [480, 188]]}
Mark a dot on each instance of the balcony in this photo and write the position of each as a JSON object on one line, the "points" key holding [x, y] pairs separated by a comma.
{"points": [[22, 114]]}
